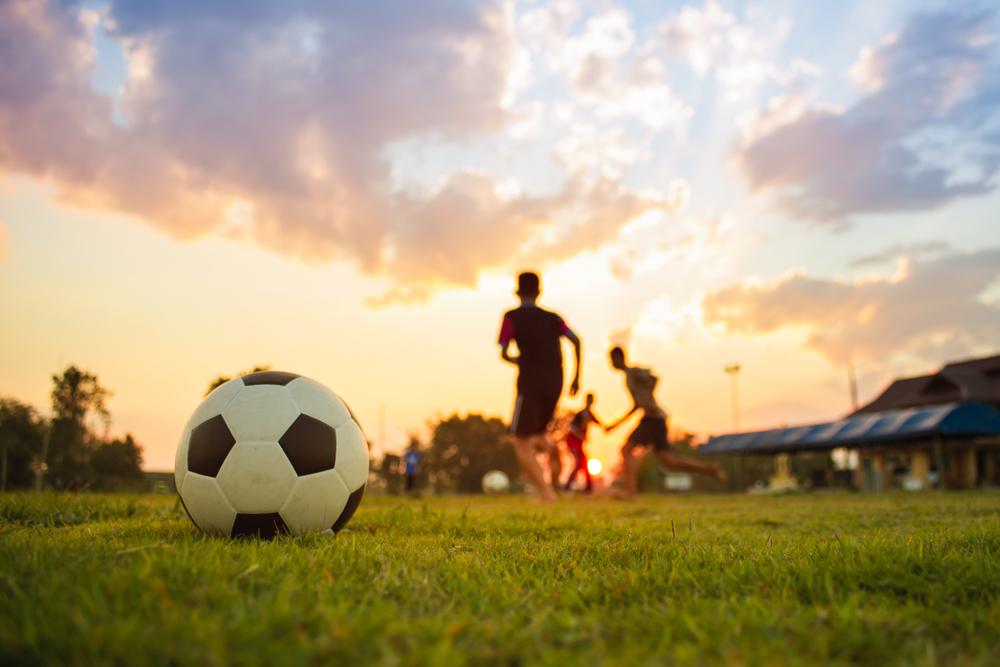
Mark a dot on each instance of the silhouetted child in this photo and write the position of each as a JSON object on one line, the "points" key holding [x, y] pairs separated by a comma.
{"points": [[652, 428], [538, 335], [575, 438]]}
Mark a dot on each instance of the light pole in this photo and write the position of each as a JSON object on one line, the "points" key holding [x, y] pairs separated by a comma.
{"points": [[737, 472]]}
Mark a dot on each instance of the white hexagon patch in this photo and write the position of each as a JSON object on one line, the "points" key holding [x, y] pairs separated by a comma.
{"points": [[315, 502], [318, 401], [352, 456], [215, 403], [260, 413], [206, 504], [257, 477]]}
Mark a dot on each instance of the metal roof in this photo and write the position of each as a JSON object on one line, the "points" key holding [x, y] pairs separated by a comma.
{"points": [[962, 419]]}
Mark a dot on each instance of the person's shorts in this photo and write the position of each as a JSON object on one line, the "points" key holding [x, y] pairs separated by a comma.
{"points": [[650, 431], [573, 443], [533, 411]]}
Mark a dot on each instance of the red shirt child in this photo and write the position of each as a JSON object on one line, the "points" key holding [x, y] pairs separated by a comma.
{"points": [[575, 438]]}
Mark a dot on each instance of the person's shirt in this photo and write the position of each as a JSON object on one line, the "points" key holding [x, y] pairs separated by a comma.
{"points": [[536, 332], [581, 420], [412, 460], [641, 383]]}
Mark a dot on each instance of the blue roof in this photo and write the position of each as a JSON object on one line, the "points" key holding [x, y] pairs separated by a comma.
{"points": [[963, 420]]}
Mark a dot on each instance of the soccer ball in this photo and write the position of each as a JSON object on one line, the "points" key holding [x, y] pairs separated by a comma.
{"points": [[269, 453], [496, 481]]}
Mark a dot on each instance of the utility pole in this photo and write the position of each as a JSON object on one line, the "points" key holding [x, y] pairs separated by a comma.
{"points": [[737, 461]]}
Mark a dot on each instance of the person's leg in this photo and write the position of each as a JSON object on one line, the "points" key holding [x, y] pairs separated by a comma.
{"points": [[582, 462], [630, 468], [669, 460], [576, 469], [555, 460], [524, 448]]}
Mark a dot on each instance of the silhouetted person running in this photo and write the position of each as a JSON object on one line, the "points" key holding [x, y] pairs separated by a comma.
{"points": [[575, 438], [652, 428], [538, 336]]}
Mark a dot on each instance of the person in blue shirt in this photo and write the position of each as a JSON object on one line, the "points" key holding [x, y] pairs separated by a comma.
{"points": [[411, 459]]}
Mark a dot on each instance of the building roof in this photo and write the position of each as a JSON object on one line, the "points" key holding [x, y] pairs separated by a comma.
{"points": [[951, 420], [970, 380]]}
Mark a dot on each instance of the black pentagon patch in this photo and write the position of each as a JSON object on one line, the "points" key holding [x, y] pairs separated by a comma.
{"points": [[352, 504], [264, 526], [310, 445], [268, 377], [209, 446]]}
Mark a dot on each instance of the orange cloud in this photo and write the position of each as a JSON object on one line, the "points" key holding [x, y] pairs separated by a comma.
{"points": [[932, 310]]}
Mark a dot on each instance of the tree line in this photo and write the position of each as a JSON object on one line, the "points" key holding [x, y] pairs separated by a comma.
{"points": [[459, 451], [71, 450]]}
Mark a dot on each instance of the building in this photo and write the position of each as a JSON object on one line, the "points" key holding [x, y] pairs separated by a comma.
{"points": [[973, 380], [160, 482], [938, 430]]}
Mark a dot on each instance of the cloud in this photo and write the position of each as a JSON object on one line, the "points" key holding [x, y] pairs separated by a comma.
{"points": [[653, 243], [4, 254], [607, 74], [700, 36], [712, 39], [900, 250], [270, 122], [472, 221], [926, 132], [931, 309]]}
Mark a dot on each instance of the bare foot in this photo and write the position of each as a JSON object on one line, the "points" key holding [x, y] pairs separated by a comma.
{"points": [[720, 475]]}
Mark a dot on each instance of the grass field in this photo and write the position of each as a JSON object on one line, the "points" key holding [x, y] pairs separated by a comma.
{"points": [[794, 580]]}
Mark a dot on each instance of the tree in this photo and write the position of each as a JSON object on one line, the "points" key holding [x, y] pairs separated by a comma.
{"points": [[76, 397], [20, 442], [463, 449], [223, 379], [117, 465], [388, 473]]}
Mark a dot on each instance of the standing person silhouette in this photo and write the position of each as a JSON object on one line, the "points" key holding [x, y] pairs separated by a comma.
{"points": [[538, 334], [652, 428], [575, 438]]}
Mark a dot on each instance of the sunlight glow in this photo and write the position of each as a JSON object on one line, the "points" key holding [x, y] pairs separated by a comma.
{"points": [[594, 466]]}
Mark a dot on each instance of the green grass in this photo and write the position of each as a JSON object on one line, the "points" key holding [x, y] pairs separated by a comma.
{"points": [[794, 580]]}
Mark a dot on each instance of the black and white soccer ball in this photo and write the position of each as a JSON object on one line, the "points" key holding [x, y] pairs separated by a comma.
{"points": [[270, 453]]}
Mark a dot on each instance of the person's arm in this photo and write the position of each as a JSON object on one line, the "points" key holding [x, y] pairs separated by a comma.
{"points": [[506, 334], [573, 338], [506, 357], [594, 419], [609, 427]]}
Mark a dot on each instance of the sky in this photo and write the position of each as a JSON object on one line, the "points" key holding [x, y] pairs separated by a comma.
{"points": [[348, 191]]}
